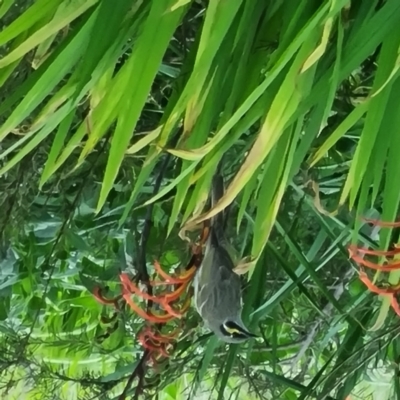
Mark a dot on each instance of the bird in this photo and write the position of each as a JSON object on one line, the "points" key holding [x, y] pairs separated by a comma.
{"points": [[217, 288]]}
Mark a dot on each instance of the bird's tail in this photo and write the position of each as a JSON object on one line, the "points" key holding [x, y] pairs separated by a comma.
{"points": [[217, 191], [216, 194]]}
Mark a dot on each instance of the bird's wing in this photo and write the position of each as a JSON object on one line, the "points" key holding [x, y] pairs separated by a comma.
{"points": [[217, 284], [217, 265]]}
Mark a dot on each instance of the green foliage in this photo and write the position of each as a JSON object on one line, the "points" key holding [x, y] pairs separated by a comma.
{"points": [[101, 98]]}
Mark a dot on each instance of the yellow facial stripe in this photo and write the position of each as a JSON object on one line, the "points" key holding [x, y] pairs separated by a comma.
{"points": [[232, 331]]}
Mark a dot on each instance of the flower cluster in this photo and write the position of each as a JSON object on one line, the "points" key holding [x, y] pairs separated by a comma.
{"points": [[389, 264], [167, 293]]}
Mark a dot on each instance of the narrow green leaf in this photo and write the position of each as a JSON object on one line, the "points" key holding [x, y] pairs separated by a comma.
{"points": [[56, 147], [373, 120], [5, 6], [341, 130], [46, 83], [158, 32], [104, 31], [227, 370], [77, 8], [38, 10]]}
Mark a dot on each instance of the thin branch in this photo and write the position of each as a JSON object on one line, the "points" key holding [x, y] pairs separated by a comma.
{"points": [[143, 274], [140, 372]]}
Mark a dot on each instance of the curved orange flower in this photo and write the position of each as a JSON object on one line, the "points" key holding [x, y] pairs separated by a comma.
{"points": [[174, 300], [357, 254]]}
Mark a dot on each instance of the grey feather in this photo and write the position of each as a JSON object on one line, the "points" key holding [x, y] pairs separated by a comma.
{"points": [[217, 235], [217, 289]]}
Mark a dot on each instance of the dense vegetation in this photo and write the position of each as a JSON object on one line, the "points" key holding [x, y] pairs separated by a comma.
{"points": [[113, 118]]}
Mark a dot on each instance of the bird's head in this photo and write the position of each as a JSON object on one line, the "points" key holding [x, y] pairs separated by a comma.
{"points": [[234, 332]]}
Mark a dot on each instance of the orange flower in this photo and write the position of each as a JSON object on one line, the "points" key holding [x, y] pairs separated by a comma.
{"points": [[375, 289], [164, 300], [387, 266], [169, 299], [159, 344], [383, 224], [353, 250]]}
